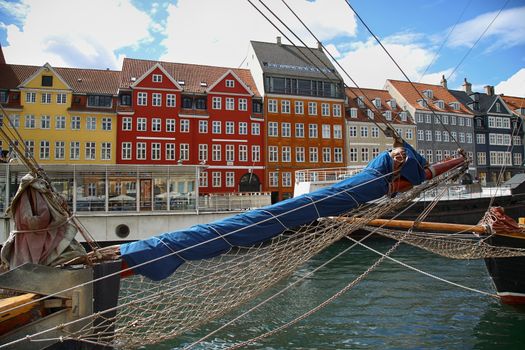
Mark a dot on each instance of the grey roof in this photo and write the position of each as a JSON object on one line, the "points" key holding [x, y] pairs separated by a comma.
{"points": [[515, 181], [464, 99], [291, 61], [484, 101]]}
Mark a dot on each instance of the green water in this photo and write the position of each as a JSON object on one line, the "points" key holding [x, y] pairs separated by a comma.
{"points": [[393, 308]]}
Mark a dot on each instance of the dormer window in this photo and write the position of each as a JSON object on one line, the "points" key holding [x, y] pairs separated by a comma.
{"points": [[4, 96], [498, 107], [388, 115], [440, 104], [370, 114], [392, 103], [47, 80], [428, 93], [99, 101], [377, 102], [187, 102], [230, 83], [360, 101], [403, 116], [353, 112], [454, 105], [423, 103], [157, 78]]}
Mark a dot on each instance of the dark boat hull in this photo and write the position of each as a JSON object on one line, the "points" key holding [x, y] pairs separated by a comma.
{"points": [[507, 273]]}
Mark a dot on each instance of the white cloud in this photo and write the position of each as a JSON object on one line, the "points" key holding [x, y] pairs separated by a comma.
{"points": [[514, 86], [369, 66], [14, 9], [506, 31], [219, 32], [67, 33]]}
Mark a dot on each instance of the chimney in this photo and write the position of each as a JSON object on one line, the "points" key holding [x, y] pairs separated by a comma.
{"points": [[467, 87], [489, 90], [279, 40], [444, 81]]}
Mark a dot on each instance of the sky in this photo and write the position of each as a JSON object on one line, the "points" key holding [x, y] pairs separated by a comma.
{"points": [[482, 41]]}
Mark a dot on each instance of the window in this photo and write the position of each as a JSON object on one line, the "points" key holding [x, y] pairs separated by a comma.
{"points": [[286, 130], [312, 108], [156, 99], [230, 83], [203, 152], [273, 155], [446, 136], [256, 153], [47, 80], [285, 107], [30, 148], [184, 125], [313, 154], [273, 129], [353, 155], [338, 154], [155, 151], [299, 107], [429, 156], [230, 128], [439, 155], [230, 179], [90, 151], [99, 101], [338, 132], [216, 127], [60, 150], [106, 151], [437, 135], [126, 150], [352, 131], [326, 131], [142, 99], [200, 103], [299, 154], [60, 122], [325, 109], [156, 124], [216, 153], [428, 118], [30, 122], [375, 152], [75, 122], [409, 134], [469, 137], [45, 98], [157, 78], [243, 104], [125, 100], [375, 132], [126, 123], [187, 102], [388, 115], [364, 131], [273, 179], [421, 135], [428, 134], [287, 179], [452, 120], [184, 151], [170, 151], [171, 100], [203, 179], [353, 112], [243, 128], [286, 154], [30, 97], [216, 103], [91, 123], [61, 98], [312, 131], [256, 129], [74, 150], [336, 110], [230, 103], [364, 154], [480, 139], [243, 153], [327, 155], [517, 159], [299, 130], [106, 123], [44, 149], [45, 122], [170, 125], [141, 150], [516, 140], [272, 106], [141, 124], [462, 137], [461, 121], [203, 126], [230, 153]]}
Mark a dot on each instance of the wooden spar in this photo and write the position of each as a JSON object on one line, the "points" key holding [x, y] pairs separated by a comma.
{"points": [[431, 171], [425, 225]]}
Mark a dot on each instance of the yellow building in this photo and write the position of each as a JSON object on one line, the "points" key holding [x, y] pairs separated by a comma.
{"points": [[63, 115]]}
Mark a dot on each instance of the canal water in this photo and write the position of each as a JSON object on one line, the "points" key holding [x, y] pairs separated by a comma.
{"points": [[393, 308]]}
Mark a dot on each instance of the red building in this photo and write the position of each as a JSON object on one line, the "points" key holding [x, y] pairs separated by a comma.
{"points": [[171, 113]]}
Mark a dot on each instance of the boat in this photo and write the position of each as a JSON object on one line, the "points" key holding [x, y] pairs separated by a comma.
{"points": [[495, 230], [218, 266]]}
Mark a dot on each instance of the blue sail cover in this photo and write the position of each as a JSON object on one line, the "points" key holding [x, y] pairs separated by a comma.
{"points": [[155, 258]]}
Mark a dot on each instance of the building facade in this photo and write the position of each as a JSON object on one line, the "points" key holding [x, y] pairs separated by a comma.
{"points": [[304, 110]]}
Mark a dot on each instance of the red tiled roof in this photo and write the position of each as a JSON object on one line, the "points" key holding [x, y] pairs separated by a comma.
{"points": [[514, 102], [191, 74], [439, 93], [369, 95], [82, 81]]}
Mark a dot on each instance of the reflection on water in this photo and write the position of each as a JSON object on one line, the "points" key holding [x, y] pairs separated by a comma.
{"points": [[393, 308]]}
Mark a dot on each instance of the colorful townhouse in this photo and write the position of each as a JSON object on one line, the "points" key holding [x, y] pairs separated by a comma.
{"points": [[367, 112], [443, 123], [64, 115], [304, 110], [184, 114]]}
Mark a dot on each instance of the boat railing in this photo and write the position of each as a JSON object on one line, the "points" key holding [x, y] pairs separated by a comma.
{"points": [[326, 174]]}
